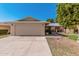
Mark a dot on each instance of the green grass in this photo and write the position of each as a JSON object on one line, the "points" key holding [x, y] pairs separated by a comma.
{"points": [[73, 37]]}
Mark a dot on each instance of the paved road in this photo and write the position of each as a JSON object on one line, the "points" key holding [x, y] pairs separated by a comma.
{"points": [[24, 46]]}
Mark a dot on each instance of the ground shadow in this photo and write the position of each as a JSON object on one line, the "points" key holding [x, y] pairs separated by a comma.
{"points": [[56, 34]]}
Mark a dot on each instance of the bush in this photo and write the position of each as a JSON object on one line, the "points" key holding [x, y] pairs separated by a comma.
{"points": [[73, 37]]}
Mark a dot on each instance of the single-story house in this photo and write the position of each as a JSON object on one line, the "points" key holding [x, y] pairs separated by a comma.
{"points": [[27, 26]]}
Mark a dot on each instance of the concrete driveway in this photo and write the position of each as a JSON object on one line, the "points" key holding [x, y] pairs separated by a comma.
{"points": [[24, 46]]}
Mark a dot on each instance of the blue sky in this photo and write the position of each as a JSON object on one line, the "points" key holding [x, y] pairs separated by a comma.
{"points": [[16, 11]]}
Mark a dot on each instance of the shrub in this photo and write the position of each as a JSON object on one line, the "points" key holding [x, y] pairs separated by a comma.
{"points": [[73, 37]]}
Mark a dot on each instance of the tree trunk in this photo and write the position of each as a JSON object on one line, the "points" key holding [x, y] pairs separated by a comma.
{"points": [[64, 30], [78, 28], [71, 31], [67, 31]]}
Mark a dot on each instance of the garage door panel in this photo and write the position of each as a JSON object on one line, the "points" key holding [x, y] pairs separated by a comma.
{"points": [[29, 29]]}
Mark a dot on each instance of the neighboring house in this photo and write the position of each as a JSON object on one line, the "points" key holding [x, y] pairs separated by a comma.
{"points": [[5, 27]]}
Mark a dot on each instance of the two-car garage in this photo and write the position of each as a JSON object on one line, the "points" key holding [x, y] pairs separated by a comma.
{"points": [[28, 28]]}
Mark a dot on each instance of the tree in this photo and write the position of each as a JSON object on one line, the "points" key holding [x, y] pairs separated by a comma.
{"points": [[68, 15], [50, 20]]}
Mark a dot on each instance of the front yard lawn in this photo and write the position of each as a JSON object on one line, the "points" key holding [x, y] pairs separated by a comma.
{"points": [[73, 37], [63, 47]]}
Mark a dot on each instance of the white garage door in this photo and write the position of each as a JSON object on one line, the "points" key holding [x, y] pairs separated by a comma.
{"points": [[30, 29]]}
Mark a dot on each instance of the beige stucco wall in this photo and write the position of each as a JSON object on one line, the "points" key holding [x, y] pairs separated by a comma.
{"points": [[28, 29], [5, 27], [2, 27], [12, 31]]}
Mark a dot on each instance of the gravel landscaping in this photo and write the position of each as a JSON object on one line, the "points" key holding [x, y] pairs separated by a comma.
{"points": [[63, 46]]}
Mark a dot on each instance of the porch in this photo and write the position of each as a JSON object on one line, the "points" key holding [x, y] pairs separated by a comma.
{"points": [[53, 29]]}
